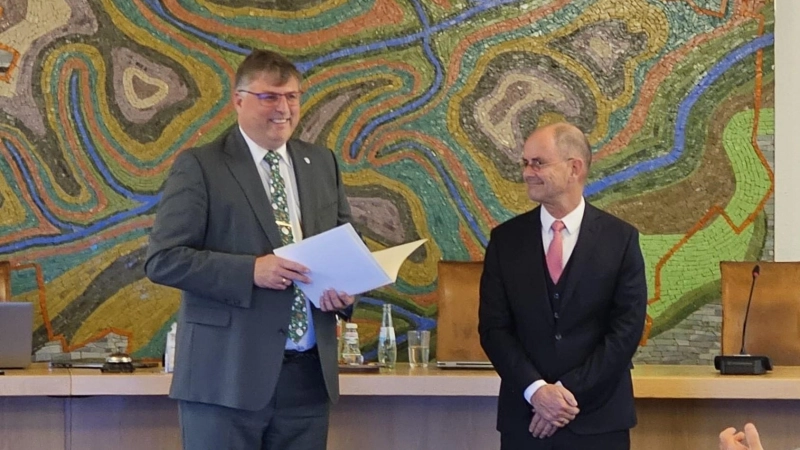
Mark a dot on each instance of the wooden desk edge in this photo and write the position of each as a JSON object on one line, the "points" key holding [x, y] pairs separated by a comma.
{"points": [[649, 382]]}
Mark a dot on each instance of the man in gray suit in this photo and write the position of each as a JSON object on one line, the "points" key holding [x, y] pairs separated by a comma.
{"points": [[256, 363]]}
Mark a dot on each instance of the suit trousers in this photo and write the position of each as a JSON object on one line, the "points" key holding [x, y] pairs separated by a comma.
{"points": [[296, 418], [564, 439]]}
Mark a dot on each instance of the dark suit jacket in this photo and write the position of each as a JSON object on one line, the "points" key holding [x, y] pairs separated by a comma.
{"points": [[213, 221], [600, 321]]}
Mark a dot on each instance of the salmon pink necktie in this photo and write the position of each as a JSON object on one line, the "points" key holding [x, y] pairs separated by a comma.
{"points": [[555, 259]]}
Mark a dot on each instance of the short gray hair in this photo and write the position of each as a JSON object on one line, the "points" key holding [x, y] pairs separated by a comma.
{"points": [[572, 141]]}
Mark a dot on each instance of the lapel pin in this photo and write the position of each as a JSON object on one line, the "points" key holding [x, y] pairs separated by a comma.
{"points": [[308, 161]]}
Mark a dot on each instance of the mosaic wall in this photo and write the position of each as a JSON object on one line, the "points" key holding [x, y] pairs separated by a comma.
{"points": [[426, 104]]}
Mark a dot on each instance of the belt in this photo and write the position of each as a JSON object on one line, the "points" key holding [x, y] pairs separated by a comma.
{"points": [[293, 355]]}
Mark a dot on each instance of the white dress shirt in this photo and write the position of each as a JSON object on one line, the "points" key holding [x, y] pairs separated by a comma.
{"points": [[572, 228], [293, 201]]}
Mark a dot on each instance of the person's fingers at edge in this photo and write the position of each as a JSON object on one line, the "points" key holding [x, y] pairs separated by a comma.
{"points": [[751, 434]]}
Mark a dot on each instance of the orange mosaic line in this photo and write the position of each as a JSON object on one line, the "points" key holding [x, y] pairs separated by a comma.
{"points": [[383, 14], [376, 162], [66, 347], [424, 300], [100, 139], [474, 249], [48, 326], [712, 213], [746, 9], [20, 178], [155, 21], [214, 122], [709, 12], [14, 62], [360, 123], [102, 145], [395, 136], [757, 99], [83, 244], [663, 69], [452, 72], [757, 96], [14, 57], [421, 161], [44, 226], [757, 113], [361, 119], [649, 90], [78, 66], [73, 140], [163, 165], [103, 333], [716, 209], [43, 297], [457, 170], [344, 69], [387, 105], [485, 32], [74, 145]]}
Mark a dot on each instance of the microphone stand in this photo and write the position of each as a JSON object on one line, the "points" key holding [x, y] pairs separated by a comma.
{"points": [[743, 363]]}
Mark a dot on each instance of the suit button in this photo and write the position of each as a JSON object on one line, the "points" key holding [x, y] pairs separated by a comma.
{"points": [[282, 332], [558, 336], [556, 296], [555, 315]]}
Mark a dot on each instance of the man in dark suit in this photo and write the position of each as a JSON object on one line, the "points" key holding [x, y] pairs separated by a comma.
{"points": [[256, 363], [562, 307]]}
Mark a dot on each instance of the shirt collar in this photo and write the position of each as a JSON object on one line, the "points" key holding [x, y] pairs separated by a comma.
{"points": [[258, 152], [572, 221]]}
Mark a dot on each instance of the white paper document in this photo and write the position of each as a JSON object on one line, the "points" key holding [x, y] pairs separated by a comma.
{"points": [[338, 259]]}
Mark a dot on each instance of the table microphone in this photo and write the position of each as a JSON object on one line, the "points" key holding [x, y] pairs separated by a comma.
{"points": [[744, 364]]}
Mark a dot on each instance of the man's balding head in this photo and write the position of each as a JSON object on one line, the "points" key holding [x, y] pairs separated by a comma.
{"points": [[556, 161], [573, 142]]}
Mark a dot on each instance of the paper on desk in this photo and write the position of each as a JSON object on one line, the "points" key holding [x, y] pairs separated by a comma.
{"points": [[339, 259]]}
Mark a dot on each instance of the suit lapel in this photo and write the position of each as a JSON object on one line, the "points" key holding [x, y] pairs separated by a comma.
{"points": [[304, 176], [581, 255], [533, 251], [240, 163]]}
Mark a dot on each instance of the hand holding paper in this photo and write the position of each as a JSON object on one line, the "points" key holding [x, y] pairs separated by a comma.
{"points": [[339, 260], [332, 300]]}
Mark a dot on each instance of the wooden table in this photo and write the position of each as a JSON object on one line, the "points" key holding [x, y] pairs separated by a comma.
{"points": [[678, 406]]}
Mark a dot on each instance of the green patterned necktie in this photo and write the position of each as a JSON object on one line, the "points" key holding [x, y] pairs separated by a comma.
{"points": [[280, 207]]}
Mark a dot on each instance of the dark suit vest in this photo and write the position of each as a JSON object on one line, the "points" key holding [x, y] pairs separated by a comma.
{"points": [[555, 291]]}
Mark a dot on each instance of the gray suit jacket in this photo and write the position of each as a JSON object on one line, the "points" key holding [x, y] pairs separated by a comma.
{"points": [[212, 222]]}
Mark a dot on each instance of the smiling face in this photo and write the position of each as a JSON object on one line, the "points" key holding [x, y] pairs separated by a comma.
{"points": [[269, 123], [554, 177]]}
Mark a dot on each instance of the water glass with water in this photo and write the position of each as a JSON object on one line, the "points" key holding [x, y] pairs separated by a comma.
{"points": [[419, 348]]}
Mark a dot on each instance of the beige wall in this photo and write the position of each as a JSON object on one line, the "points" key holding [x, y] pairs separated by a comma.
{"points": [[787, 149]]}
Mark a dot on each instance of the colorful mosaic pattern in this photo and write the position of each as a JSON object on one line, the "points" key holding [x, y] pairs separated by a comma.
{"points": [[425, 103]]}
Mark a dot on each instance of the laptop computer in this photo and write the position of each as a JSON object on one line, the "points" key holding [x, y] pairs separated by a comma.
{"points": [[458, 344], [16, 334]]}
